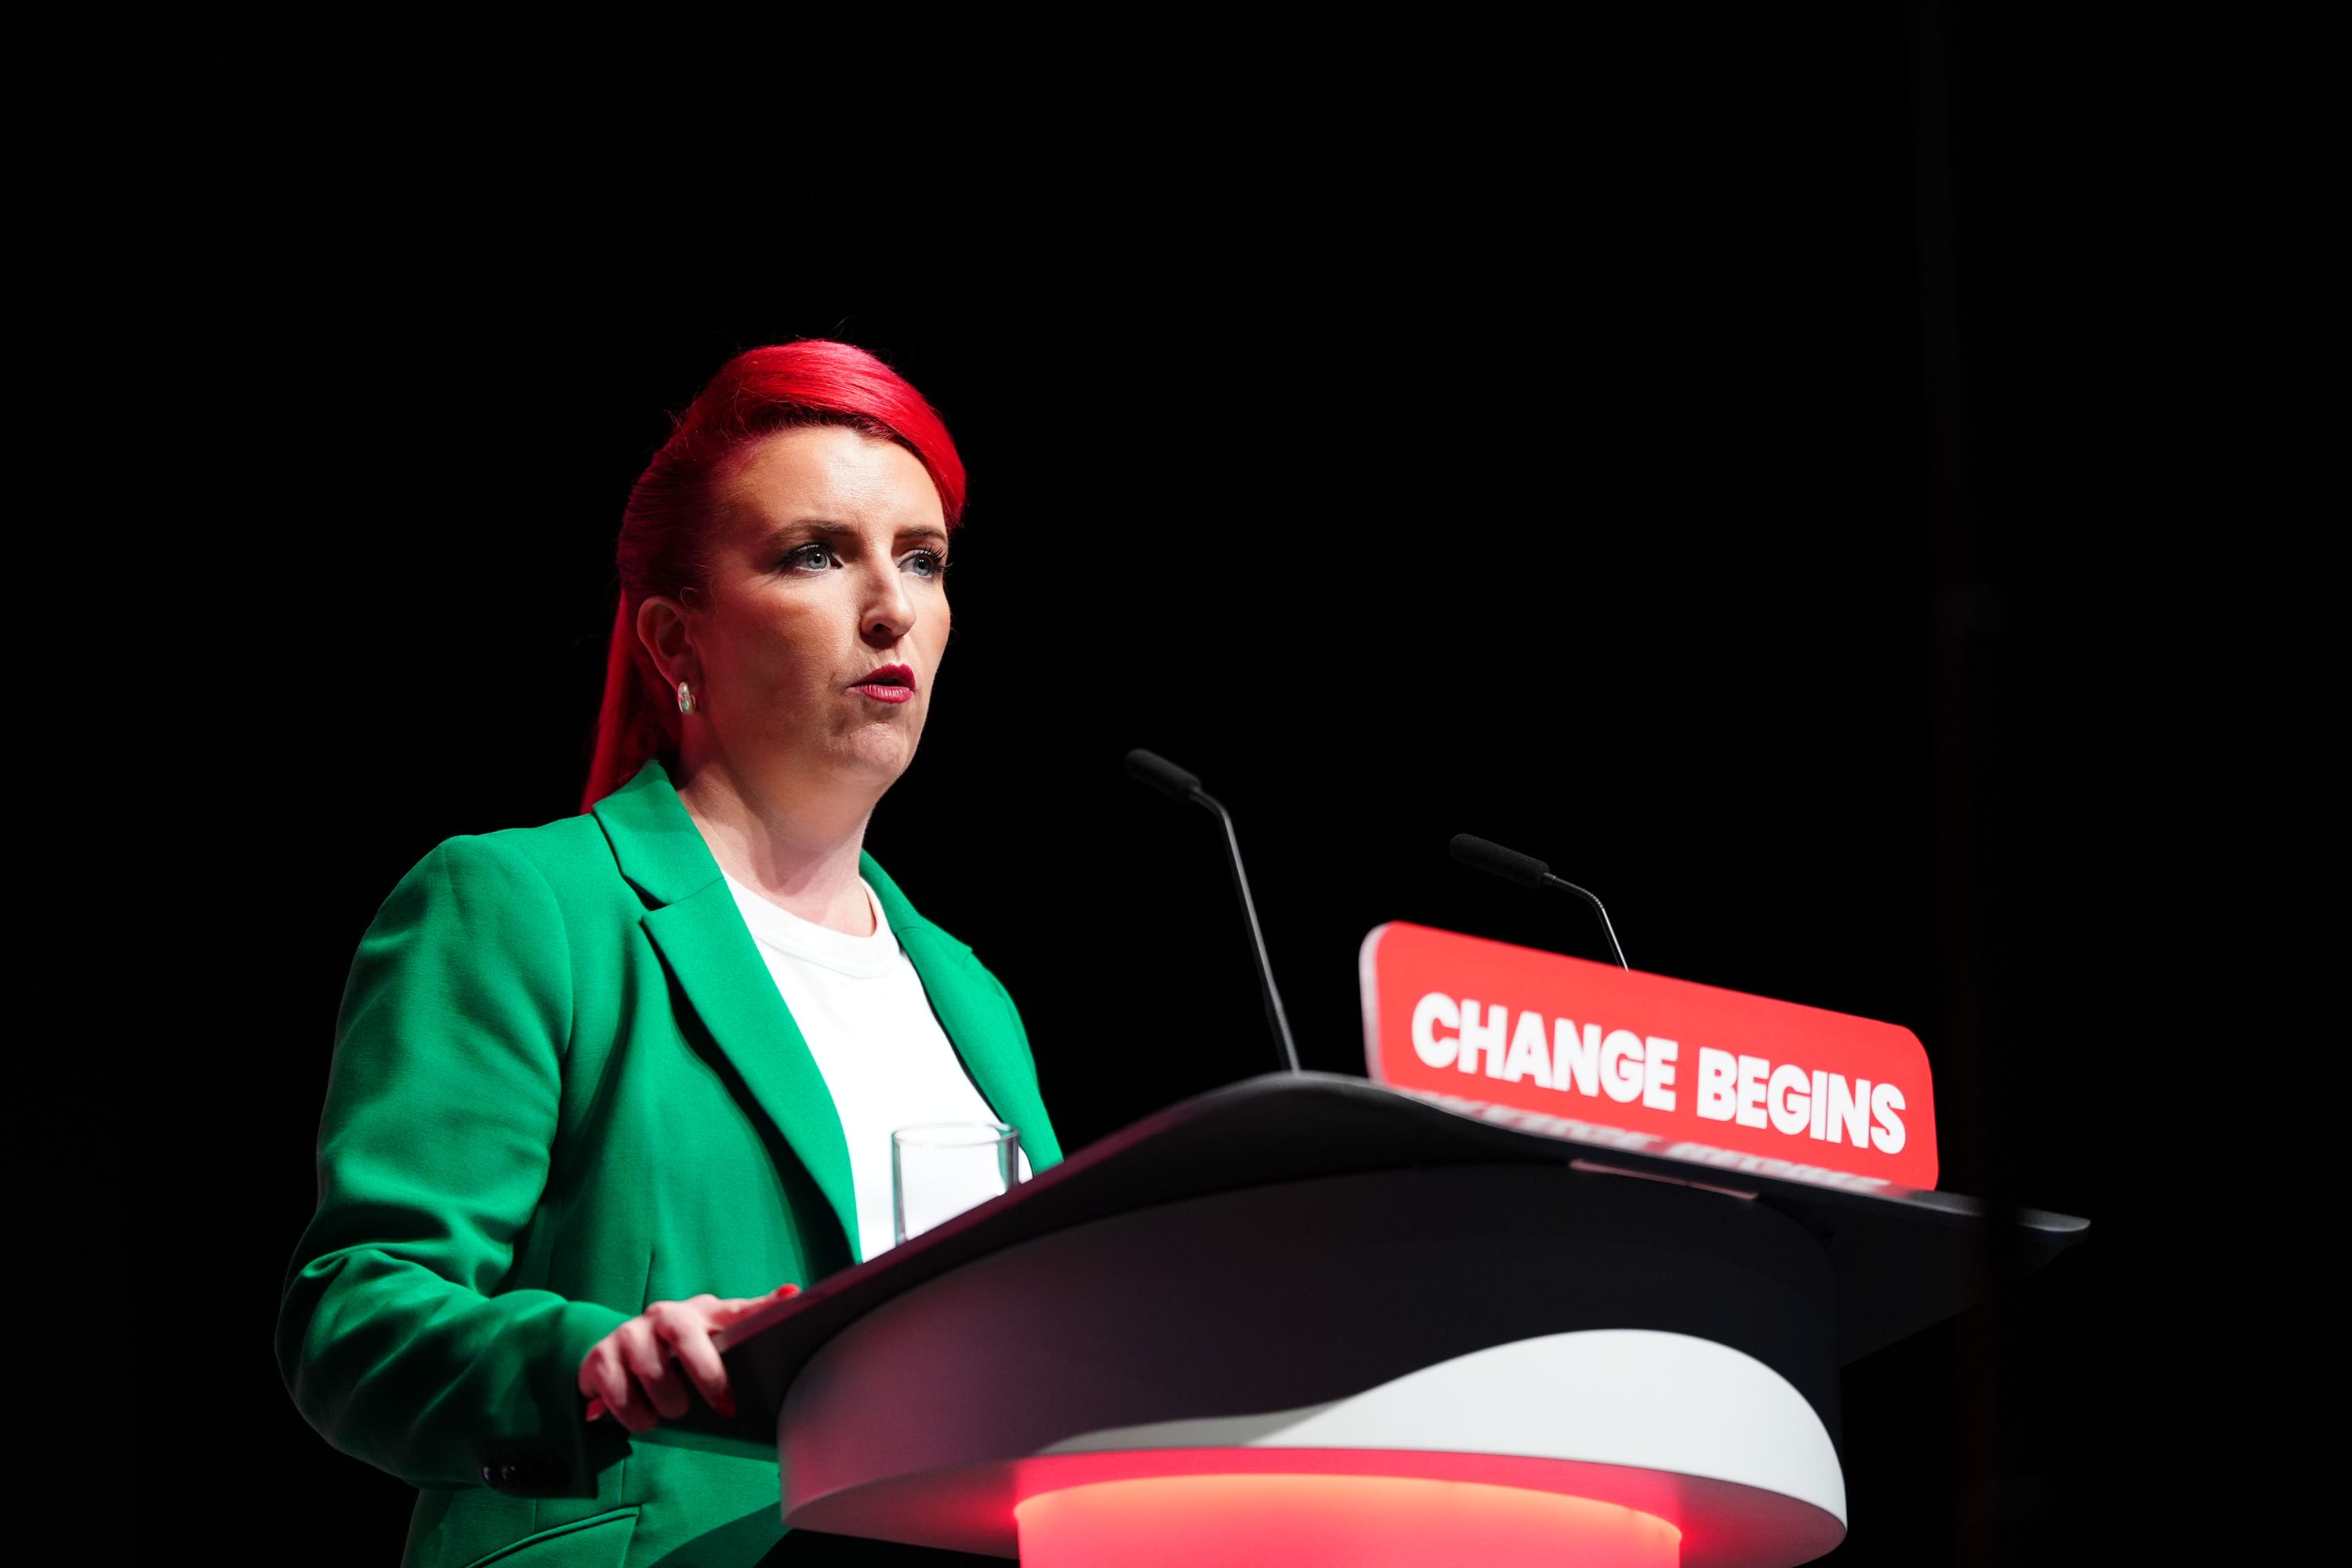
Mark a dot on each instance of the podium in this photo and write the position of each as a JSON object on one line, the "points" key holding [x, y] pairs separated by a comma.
{"points": [[1308, 1319]]}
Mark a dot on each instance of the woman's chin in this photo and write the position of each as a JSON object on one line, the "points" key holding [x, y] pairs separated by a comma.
{"points": [[876, 753]]}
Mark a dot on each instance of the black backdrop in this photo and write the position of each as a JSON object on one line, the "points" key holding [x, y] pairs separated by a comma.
{"points": [[1834, 485]]}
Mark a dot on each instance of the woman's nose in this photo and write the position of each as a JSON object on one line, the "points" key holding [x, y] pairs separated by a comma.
{"points": [[888, 612]]}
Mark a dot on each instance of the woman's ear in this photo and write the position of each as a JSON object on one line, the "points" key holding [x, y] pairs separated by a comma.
{"points": [[662, 627]]}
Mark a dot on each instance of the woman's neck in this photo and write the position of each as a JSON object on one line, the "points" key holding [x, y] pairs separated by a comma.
{"points": [[799, 853]]}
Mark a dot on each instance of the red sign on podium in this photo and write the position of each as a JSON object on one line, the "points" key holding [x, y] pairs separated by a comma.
{"points": [[1602, 1055]]}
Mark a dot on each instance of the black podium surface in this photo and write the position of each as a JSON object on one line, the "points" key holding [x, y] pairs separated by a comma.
{"points": [[1899, 1263]]}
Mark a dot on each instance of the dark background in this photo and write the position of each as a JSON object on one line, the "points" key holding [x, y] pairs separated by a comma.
{"points": [[1848, 488]]}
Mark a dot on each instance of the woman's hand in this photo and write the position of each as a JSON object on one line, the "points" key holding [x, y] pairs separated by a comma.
{"points": [[633, 1374]]}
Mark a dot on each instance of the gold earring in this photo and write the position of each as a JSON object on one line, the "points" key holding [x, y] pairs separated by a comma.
{"points": [[685, 699]]}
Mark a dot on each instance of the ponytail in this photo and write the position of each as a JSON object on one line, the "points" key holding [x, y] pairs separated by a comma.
{"points": [[631, 727]]}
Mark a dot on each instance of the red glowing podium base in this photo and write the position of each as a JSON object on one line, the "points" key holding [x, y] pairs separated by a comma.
{"points": [[1306, 1320], [1334, 1521]]}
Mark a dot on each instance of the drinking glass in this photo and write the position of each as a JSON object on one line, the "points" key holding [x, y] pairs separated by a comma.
{"points": [[942, 1168]]}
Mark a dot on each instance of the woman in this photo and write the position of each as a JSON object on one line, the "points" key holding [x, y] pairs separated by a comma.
{"points": [[603, 1086]]}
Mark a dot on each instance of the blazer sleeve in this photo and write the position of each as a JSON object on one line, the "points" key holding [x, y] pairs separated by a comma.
{"points": [[394, 1333]]}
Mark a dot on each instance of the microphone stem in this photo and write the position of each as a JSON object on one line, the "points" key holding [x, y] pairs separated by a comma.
{"points": [[1587, 898], [1274, 1018]]}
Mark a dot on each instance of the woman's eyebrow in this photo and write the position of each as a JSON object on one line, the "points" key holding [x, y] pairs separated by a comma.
{"points": [[827, 528]]}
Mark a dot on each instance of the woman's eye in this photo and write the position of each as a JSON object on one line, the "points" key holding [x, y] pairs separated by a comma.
{"points": [[926, 563], [813, 557]]}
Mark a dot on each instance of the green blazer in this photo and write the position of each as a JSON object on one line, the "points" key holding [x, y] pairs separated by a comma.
{"points": [[565, 1088]]}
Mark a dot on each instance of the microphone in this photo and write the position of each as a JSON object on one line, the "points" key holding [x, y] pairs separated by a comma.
{"points": [[1529, 871], [1151, 768]]}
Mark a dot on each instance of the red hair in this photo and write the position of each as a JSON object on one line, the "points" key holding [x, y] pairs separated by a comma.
{"points": [[754, 395]]}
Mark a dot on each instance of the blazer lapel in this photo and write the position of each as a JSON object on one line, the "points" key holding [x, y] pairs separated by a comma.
{"points": [[980, 1023], [719, 968], [694, 924]]}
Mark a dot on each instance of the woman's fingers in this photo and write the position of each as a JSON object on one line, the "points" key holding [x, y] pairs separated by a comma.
{"points": [[685, 1329], [638, 1373], [604, 1376], [649, 1362], [725, 1312]]}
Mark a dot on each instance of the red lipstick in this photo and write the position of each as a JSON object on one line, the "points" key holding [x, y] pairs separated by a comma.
{"points": [[891, 683]]}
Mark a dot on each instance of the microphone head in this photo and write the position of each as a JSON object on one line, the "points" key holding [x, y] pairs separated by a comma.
{"points": [[1492, 858], [1162, 775]]}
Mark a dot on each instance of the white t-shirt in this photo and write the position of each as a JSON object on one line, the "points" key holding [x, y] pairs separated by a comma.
{"points": [[862, 1008]]}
